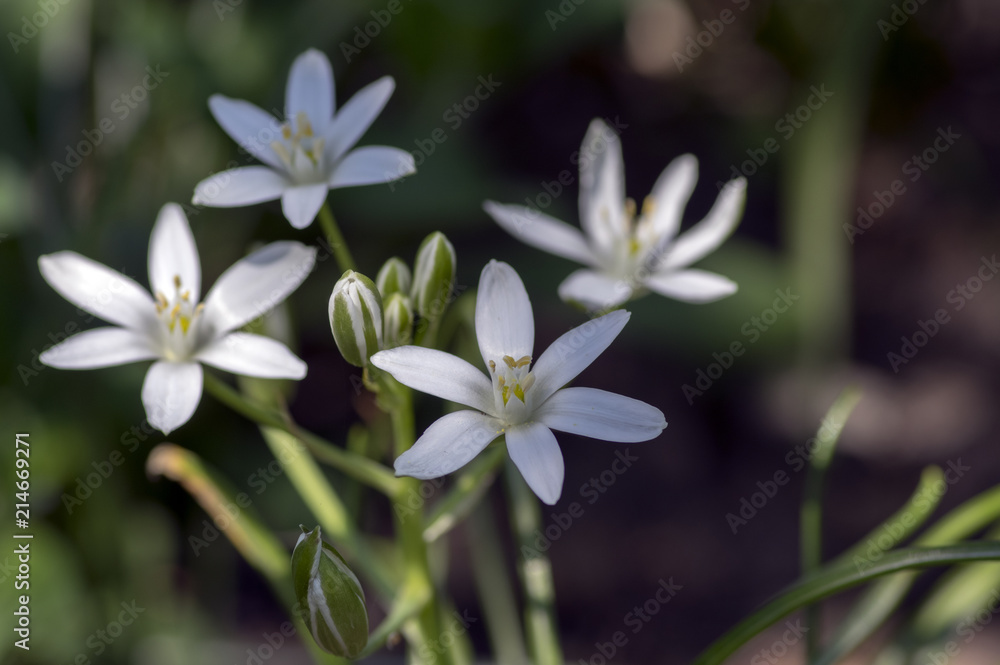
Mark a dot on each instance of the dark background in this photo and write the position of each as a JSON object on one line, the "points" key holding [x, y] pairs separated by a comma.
{"points": [[895, 87]]}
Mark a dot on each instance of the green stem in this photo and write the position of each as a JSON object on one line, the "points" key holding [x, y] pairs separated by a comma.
{"points": [[536, 572], [411, 602], [335, 238], [493, 587], [358, 467], [837, 578], [470, 486]]}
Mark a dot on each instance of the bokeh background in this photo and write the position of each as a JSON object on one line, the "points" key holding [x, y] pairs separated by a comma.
{"points": [[715, 78]]}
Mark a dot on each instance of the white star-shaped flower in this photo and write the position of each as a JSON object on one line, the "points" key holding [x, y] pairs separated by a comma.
{"points": [[627, 255], [310, 153], [523, 401], [172, 326]]}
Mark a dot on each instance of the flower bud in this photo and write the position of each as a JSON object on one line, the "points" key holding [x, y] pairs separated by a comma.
{"points": [[398, 321], [434, 275], [393, 277], [356, 317], [331, 598]]}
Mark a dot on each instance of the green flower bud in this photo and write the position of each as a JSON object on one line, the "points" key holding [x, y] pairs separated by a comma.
{"points": [[398, 321], [356, 317], [330, 596], [434, 276], [393, 277]]}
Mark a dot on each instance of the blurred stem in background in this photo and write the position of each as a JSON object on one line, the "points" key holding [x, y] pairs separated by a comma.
{"points": [[820, 173], [336, 239]]}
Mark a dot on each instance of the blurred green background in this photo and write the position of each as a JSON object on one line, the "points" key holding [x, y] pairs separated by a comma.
{"points": [[719, 79]]}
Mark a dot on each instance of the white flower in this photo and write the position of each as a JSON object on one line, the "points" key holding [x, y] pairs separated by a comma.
{"points": [[172, 326], [524, 402], [626, 255], [311, 152]]}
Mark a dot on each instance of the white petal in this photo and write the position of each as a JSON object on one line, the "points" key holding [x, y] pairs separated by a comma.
{"points": [[505, 325], [594, 290], [539, 230], [310, 88], [437, 373], [573, 352], [253, 355], [99, 290], [251, 127], [601, 415], [536, 455], [243, 186], [602, 185], [301, 204], [100, 347], [448, 444], [172, 253], [695, 286], [371, 165], [356, 116], [171, 393], [671, 193], [710, 232], [255, 284]]}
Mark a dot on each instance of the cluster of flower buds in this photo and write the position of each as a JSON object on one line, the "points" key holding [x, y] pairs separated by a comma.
{"points": [[367, 316]]}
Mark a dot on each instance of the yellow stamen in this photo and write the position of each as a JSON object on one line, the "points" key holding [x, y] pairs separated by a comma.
{"points": [[177, 282], [509, 361], [630, 208], [286, 132], [648, 205], [519, 392], [302, 122]]}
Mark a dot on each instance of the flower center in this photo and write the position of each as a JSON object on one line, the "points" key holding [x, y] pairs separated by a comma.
{"points": [[511, 381], [633, 244], [300, 151], [179, 316]]}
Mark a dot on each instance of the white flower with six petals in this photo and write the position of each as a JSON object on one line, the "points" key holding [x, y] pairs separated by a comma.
{"points": [[521, 401], [626, 255], [172, 326], [310, 153]]}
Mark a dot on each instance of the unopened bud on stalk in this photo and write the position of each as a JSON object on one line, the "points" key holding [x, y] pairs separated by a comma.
{"points": [[330, 592], [394, 277], [356, 317], [398, 321], [434, 276]]}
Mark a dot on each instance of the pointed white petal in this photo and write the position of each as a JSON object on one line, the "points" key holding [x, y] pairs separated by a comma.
{"points": [[371, 165], [448, 444], [170, 393], [539, 230], [356, 116], [710, 232], [243, 186], [536, 455], [695, 286], [251, 127], [255, 284], [437, 373], [100, 347], [671, 193], [172, 253], [301, 204], [602, 186], [594, 290], [253, 355], [99, 290], [505, 325], [601, 415], [310, 88], [573, 352]]}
